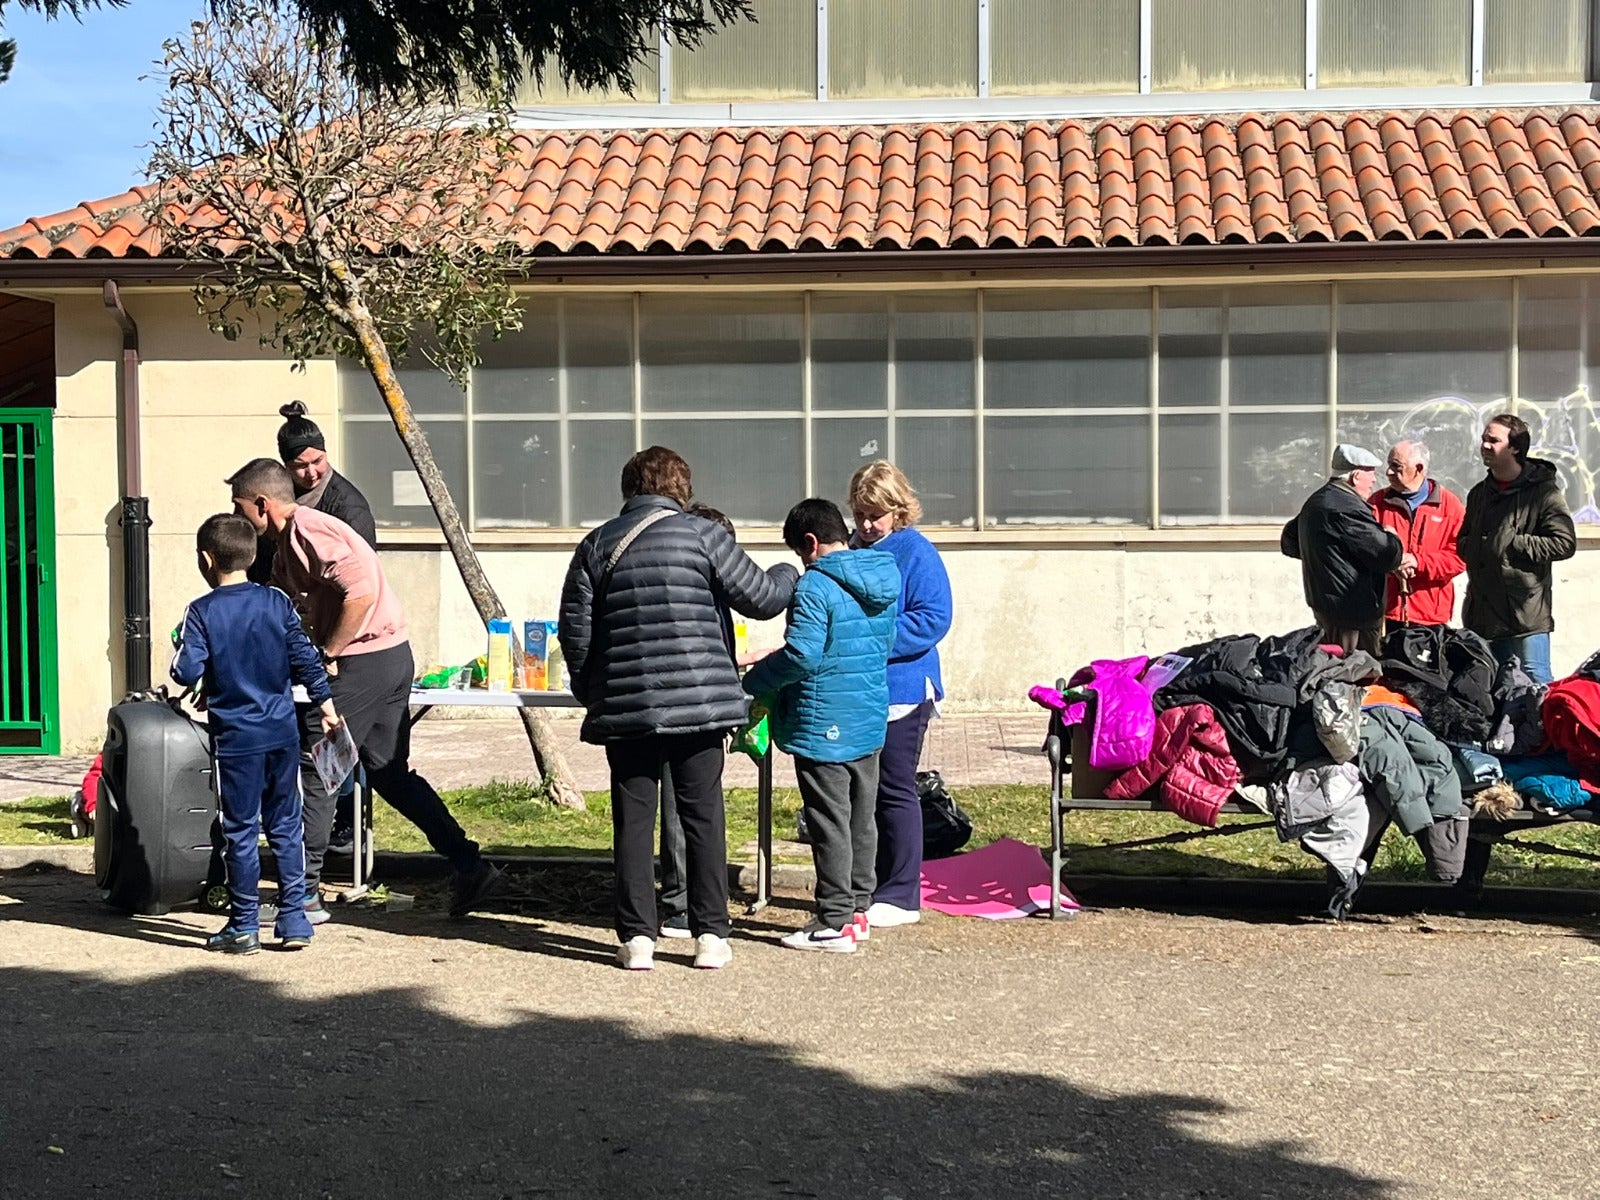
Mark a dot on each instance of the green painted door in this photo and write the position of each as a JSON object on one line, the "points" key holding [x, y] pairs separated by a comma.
{"points": [[29, 719]]}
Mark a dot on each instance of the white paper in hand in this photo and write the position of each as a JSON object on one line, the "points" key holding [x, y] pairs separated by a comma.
{"points": [[334, 757]]}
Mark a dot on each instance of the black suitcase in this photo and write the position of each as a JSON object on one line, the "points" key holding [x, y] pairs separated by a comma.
{"points": [[153, 840]]}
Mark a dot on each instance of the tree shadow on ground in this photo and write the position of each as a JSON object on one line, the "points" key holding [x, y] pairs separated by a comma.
{"points": [[213, 1081]]}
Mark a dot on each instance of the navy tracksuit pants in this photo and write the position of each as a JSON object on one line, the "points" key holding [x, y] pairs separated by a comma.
{"points": [[260, 793]]}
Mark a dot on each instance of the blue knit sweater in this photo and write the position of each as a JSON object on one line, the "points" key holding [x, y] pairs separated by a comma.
{"points": [[925, 614]]}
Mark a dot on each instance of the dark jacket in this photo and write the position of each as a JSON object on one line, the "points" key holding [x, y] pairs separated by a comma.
{"points": [[340, 498], [1508, 541], [1345, 555], [646, 655]]}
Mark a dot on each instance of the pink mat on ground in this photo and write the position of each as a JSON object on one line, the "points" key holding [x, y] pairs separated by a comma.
{"points": [[1005, 879]]}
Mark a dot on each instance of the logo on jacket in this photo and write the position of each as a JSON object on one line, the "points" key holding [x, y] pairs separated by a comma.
{"points": [[833, 733]]}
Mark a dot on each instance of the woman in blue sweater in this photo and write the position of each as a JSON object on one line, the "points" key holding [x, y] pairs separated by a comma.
{"points": [[885, 510]]}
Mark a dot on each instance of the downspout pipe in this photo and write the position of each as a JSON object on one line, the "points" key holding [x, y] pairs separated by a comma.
{"points": [[135, 519]]}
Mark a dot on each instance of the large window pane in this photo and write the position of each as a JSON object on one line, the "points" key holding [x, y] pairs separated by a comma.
{"points": [[598, 448], [1278, 345], [1067, 470], [1432, 344], [937, 455], [1535, 41], [849, 351], [376, 461], [883, 49], [599, 338], [1191, 469], [752, 470], [721, 353], [839, 448], [1063, 47], [1191, 349], [1066, 349], [1558, 357], [1228, 45], [518, 469], [428, 390], [934, 344], [518, 373], [1383, 43], [646, 78], [1449, 428], [773, 57], [1275, 460]]}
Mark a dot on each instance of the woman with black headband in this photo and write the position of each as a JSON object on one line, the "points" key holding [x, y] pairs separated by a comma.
{"points": [[317, 485]]}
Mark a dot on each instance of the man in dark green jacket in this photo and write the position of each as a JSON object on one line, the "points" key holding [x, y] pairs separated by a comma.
{"points": [[1517, 524]]}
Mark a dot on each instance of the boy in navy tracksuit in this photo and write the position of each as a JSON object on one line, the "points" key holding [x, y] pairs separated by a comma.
{"points": [[245, 645], [828, 692]]}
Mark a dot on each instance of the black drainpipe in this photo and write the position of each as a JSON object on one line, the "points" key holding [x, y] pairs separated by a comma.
{"points": [[135, 519]]}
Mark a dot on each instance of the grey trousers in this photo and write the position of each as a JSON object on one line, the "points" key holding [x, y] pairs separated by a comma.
{"points": [[841, 800], [674, 852]]}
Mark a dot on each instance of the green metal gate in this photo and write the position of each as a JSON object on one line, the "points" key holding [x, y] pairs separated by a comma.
{"points": [[28, 685]]}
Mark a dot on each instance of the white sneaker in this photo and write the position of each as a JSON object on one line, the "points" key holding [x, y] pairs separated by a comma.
{"points": [[862, 926], [816, 936], [887, 916], [712, 953], [637, 953]]}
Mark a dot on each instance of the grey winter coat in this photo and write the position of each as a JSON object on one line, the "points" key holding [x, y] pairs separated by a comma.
{"points": [[645, 651], [1407, 770]]}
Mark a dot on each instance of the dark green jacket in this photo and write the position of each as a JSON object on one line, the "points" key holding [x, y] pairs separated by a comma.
{"points": [[1508, 541]]}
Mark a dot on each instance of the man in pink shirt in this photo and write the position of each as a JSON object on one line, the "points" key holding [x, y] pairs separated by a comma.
{"points": [[335, 580]]}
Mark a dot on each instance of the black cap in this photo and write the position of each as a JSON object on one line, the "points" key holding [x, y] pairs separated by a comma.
{"points": [[298, 432]]}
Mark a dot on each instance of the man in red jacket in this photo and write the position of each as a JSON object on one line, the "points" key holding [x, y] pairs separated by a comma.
{"points": [[1427, 518]]}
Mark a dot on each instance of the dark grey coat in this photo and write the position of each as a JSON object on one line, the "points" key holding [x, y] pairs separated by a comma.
{"points": [[648, 655]]}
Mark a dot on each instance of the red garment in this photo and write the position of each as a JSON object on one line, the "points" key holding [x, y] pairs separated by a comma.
{"points": [[1190, 762], [1571, 714], [1430, 535], [90, 787]]}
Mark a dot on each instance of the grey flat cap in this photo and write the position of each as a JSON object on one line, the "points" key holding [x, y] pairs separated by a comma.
{"points": [[1353, 458]]}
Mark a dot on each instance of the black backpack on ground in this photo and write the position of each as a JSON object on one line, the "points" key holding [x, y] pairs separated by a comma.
{"points": [[945, 827]]}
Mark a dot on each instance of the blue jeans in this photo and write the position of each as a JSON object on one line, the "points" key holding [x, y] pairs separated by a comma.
{"points": [[1532, 648], [260, 793]]}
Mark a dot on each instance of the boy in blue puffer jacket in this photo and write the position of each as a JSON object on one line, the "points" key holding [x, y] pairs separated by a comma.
{"points": [[828, 692]]}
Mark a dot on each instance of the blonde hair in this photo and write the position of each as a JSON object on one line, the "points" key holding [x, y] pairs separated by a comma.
{"points": [[881, 487]]}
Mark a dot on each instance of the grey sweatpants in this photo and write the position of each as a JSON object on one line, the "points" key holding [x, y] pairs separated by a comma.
{"points": [[840, 800]]}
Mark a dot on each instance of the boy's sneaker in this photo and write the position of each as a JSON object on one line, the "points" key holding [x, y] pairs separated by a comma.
{"points": [[317, 912], [676, 927], [471, 888], [712, 953], [637, 954], [229, 940], [817, 936], [887, 916], [295, 941], [861, 926], [342, 838]]}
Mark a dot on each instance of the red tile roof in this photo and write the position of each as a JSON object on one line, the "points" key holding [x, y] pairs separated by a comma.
{"points": [[1386, 176]]}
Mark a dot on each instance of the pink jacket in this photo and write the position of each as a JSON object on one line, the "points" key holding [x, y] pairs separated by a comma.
{"points": [[1124, 718], [1190, 762]]}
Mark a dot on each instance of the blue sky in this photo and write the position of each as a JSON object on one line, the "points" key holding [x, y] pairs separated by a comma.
{"points": [[75, 117]]}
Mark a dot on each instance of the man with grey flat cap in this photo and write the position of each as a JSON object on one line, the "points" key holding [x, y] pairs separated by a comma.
{"points": [[1345, 554]]}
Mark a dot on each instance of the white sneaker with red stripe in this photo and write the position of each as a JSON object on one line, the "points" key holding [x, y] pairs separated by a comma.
{"points": [[862, 926]]}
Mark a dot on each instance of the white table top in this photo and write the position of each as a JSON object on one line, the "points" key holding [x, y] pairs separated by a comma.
{"points": [[482, 698]]}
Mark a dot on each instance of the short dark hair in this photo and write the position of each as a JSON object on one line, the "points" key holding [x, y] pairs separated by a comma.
{"points": [[657, 471], [1517, 433], [263, 477], [706, 513], [229, 539], [820, 518]]}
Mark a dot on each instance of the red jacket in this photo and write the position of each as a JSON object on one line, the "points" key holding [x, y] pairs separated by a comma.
{"points": [[1430, 535], [1189, 762], [1571, 713]]}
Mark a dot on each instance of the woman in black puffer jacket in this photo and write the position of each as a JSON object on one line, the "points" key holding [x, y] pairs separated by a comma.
{"points": [[644, 645]]}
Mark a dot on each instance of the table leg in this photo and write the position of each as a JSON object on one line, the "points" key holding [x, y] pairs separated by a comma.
{"points": [[763, 834]]}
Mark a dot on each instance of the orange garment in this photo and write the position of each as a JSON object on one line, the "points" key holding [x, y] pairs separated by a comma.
{"points": [[1377, 694]]}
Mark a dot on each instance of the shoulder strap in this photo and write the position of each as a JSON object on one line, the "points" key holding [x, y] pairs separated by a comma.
{"points": [[659, 514]]}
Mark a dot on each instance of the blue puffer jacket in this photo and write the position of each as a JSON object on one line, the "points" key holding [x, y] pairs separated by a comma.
{"points": [[829, 679]]}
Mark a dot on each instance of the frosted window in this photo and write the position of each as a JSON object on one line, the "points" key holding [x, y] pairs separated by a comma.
{"points": [[376, 461], [518, 373], [1535, 41], [1067, 470], [599, 340], [721, 353], [1065, 350], [646, 87], [1450, 430], [518, 468], [849, 352], [1191, 350], [936, 454], [1558, 332], [1382, 43], [934, 344], [839, 448], [1275, 460], [1278, 345], [1228, 45], [771, 58], [1433, 345], [1063, 47], [1191, 469], [754, 471], [883, 49], [599, 449], [428, 390]]}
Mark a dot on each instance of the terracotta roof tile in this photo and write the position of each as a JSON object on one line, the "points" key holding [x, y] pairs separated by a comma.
{"points": [[1116, 182]]}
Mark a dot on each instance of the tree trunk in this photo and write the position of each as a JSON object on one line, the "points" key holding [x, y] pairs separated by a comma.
{"points": [[547, 755]]}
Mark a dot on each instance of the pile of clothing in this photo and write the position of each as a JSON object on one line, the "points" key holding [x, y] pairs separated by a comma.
{"points": [[1337, 746]]}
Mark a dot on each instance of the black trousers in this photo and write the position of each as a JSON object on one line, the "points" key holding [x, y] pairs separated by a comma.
{"points": [[695, 761]]}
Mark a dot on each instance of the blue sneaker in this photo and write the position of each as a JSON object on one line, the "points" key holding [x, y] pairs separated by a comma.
{"points": [[229, 940], [293, 931]]}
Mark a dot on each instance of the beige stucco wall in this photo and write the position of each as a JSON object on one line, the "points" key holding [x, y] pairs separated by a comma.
{"points": [[1027, 611]]}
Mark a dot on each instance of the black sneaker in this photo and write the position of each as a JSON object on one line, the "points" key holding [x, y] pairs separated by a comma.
{"points": [[471, 888], [342, 840], [229, 940]]}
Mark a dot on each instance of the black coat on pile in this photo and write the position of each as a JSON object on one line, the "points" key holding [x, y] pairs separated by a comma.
{"points": [[1345, 555]]}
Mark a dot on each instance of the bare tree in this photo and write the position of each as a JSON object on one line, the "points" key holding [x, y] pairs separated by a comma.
{"points": [[340, 222]]}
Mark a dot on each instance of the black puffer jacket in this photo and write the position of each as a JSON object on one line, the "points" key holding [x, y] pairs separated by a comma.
{"points": [[648, 655], [1345, 555]]}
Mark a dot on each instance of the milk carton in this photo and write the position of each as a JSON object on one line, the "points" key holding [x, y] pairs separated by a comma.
{"points": [[535, 655], [555, 671], [499, 672]]}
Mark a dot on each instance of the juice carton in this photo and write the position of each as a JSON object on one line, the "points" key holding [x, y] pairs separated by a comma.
{"points": [[499, 667], [555, 663], [741, 637], [535, 653]]}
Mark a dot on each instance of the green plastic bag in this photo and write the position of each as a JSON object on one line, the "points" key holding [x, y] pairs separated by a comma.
{"points": [[755, 739]]}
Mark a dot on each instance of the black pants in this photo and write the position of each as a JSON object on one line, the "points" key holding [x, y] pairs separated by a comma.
{"points": [[900, 810], [372, 693], [695, 761], [840, 800], [674, 880]]}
